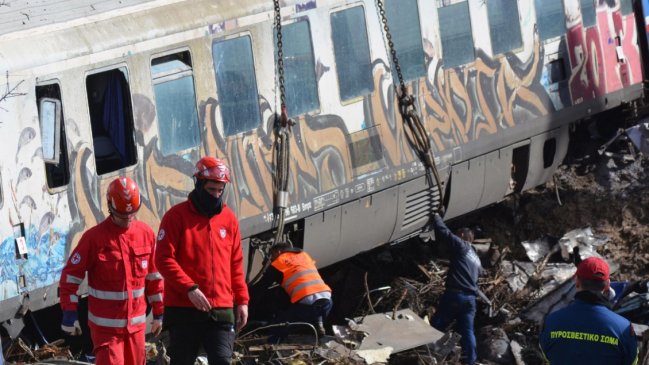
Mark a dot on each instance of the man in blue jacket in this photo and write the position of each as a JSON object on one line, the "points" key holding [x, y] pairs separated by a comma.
{"points": [[458, 301], [587, 331]]}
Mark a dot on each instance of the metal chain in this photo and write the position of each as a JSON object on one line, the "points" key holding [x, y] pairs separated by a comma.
{"points": [[282, 157], [280, 56], [418, 136], [393, 51]]}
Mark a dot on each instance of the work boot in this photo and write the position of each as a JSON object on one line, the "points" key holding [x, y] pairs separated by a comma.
{"points": [[320, 328]]}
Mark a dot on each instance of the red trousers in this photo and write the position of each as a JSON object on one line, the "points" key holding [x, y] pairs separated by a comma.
{"points": [[113, 348]]}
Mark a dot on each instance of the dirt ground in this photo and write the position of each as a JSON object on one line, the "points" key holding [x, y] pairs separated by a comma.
{"points": [[607, 192]]}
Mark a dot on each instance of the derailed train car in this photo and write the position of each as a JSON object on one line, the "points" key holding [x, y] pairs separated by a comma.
{"points": [[145, 88]]}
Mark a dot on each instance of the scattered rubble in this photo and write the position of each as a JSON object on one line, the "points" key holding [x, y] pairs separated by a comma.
{"points": [[53, 353]]}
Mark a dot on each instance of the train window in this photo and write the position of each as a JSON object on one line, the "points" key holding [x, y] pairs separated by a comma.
{"points": [[175, 100], [627, 7], [236, 85], [403, 19], [455, 30], [299, 69], [588, 15], [550, 18], [556, 71], [111, 118], [352, 53], [504, 25], [549, 152], [54, 142], [50, 122]]}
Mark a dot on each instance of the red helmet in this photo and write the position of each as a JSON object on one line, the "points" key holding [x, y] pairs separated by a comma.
{"points": [[210, 168], [123, 196]]}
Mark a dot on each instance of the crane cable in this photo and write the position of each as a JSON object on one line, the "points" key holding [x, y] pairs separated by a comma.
{"points": [[282, 156], [418, 135]]}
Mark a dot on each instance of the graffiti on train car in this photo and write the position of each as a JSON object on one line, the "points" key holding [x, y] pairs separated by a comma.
{"points": [[41, 267], [459, 106], [600, 55], [318, 158]]}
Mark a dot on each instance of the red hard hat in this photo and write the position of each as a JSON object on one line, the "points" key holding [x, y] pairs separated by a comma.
{"points": [[123, 196], [210, 168]]}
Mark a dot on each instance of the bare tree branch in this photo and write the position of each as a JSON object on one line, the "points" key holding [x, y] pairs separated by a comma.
{"points": [[9, 92]]}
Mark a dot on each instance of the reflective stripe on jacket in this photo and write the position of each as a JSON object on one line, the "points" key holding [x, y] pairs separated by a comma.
{"points": [[121, 274], [300, 276]]}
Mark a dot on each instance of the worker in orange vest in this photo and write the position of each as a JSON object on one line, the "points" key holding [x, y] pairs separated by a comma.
{"points": [[309, 296]]}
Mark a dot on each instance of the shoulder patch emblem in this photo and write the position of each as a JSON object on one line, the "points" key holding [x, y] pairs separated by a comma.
{"points": [[76, 258], [161, 234], [222, 232]]}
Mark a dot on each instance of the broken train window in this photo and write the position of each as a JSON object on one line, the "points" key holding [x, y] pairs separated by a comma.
{"points": [[111, 118]]}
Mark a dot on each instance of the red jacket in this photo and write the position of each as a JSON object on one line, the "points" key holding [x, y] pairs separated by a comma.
{"points": [[121, 272], [194, 249]]}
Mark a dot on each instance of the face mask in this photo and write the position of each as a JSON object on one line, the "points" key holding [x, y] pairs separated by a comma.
{"points": [[205, 202]]}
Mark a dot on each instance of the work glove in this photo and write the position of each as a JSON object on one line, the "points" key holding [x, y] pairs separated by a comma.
{"points": [[441, 210], [70, 323], [156, 328], [610, 295]]}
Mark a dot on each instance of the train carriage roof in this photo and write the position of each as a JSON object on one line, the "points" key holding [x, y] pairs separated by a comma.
{"points": [[20, 15], [34, 33]]}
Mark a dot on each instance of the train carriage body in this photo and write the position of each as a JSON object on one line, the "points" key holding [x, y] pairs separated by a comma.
{"points": [[145, 88]]}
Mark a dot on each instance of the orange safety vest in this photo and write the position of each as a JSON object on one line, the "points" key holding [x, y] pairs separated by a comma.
{"points": [[300, 275]]}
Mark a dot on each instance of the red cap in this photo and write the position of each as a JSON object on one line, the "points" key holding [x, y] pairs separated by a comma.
{"points": [[593, 268]]}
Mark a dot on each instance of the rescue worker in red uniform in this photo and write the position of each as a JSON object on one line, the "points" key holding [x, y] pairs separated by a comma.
{"points": [[199, 254], [118, 256], [309, 296]]}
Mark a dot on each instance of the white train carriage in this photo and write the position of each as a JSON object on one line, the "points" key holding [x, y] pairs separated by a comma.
{"points": [[94, 90]]}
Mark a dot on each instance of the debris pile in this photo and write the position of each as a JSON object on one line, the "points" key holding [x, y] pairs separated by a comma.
{"points": [[20, 353], [596, 206]]}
